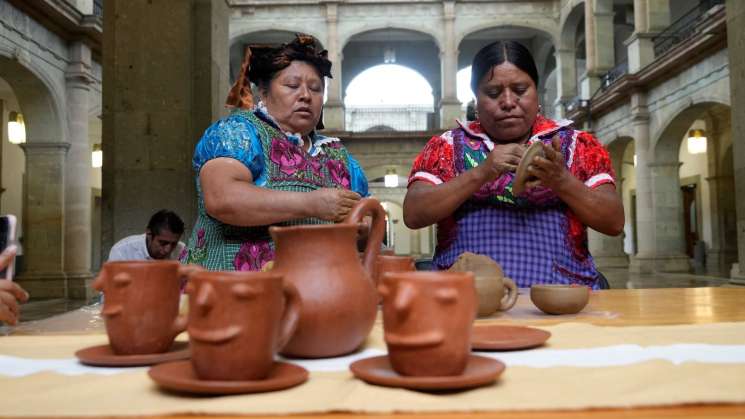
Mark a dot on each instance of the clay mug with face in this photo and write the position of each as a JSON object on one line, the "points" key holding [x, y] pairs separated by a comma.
{"points": [[391, 263], [427, 321], [495, 291], [141, 304], [238, 321]]}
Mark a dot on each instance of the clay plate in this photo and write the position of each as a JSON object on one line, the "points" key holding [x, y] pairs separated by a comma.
{"points": [[507, 338], [480, 371], [103, 356], [180, 376], [521, 174]]}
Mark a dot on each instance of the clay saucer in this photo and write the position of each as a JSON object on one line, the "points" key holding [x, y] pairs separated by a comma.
{"points": [[103, 356], [507, 338], [180, 376], [521, 174], [480, 371]]}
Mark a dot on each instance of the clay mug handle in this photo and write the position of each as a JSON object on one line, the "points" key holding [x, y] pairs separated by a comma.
{"points": [[510, 297], [291, 315], [185, 272], [369, 206]]}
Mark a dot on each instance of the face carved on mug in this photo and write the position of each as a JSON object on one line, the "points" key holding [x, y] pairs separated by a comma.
{"points": [[415, 311], [206, 301], [115, 308]]}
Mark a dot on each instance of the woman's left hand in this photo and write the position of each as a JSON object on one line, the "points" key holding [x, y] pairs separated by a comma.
{"points": [[549, 171]]}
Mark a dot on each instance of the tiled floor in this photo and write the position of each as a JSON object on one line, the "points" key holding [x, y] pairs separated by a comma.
{"points": [[618, 278]]}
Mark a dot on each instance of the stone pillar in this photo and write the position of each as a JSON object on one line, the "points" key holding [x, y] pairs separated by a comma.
{"points": [[642, 261], [449, 104], [608, 250], [44, 204], [333, 110], [590, 79], [165, 78], [566, 79], [650, 17], [77, 242], [736, 48], [668, 218], [723, 250]]}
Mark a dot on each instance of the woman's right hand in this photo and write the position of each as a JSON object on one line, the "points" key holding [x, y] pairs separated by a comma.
{"points": [[503, 158], [332, 204]]}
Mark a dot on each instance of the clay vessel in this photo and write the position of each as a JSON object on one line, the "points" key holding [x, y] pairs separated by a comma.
{"points": [[427, 321], [141, 304], [559, 299], [393, 263], [237, 323], [339, 301], [495, 291]]}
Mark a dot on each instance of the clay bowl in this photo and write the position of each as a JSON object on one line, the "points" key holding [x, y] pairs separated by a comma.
{"points": [[559, 299]]}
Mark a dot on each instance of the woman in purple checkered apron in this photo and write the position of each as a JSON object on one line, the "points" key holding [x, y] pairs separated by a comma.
{"points": [[462, 180]]}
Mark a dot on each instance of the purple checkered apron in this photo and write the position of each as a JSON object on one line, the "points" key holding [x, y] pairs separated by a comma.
{"points": [[531, 244]]}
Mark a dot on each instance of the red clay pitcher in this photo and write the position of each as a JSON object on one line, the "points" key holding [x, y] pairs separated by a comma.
{"points": [[338, 301]]}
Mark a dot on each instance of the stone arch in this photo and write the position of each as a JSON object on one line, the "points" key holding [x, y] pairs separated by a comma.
{"points": [[272, 35], [421, 55], [569, 24], [516, 26], [666, 141], [345, 37], [37, 97]]}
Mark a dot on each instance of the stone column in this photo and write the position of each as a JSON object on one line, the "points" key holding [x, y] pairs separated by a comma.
{"points": [[77, 174], [723, 250], [165, 78], [668, 217], [608, 250], [44, 203], [641, 262], [736, 48], [650, 17], [598, 44], [566, 79], [333, 110], [449, 104]]}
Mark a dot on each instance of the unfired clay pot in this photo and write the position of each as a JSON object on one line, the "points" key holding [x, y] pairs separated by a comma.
{"points": [[339, 301], [237, 323], [427, 321], [559, 299], [393, 263], [141, 304], [496, 291]]}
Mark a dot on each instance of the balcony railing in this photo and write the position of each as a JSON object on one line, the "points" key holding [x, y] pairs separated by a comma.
{"points": [[685, 27], [98, 8], [389, 118], [614, 74]]}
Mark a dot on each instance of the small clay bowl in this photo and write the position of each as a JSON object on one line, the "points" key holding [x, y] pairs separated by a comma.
{"points": [[559, 299]]}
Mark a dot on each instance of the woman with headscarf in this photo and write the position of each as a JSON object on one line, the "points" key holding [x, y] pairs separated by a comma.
{"points": [[265, 164], [463, 181]]}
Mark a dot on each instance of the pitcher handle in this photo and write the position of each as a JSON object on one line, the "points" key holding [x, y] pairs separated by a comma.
{"points": [[369, 206], [291, 315], [185, 272]]}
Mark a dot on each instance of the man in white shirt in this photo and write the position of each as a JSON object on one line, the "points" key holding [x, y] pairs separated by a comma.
{"points": [[160, 241]]}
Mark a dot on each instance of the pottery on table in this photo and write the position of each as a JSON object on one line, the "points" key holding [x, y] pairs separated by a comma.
{"points": [[427, 321], [521, 174], [495, 291], [141, 304], [104, 356], [391, 263], [339, 301], [559, 299], [237, 323]]}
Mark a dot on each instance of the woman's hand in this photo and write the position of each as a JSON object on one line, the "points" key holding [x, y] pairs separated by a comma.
{"points": [[332, 204], [502, 158], [10, 292], [549, 171]]}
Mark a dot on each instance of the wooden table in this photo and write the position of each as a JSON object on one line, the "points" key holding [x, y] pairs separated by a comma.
{"points": [[628, 308]]}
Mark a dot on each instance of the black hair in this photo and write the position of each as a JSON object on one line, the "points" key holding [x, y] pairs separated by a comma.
{"points": [[165, 219], [268, 60], [497, 53]]}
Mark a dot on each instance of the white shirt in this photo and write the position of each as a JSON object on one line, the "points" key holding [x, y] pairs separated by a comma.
{"points": [[135, 248]]}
